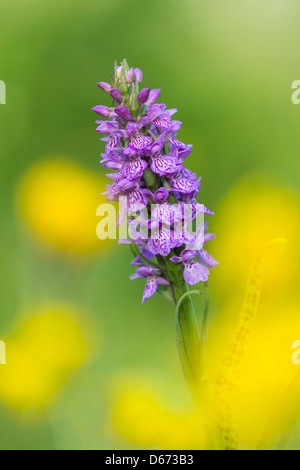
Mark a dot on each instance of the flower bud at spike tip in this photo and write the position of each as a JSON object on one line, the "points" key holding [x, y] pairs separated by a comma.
{"points": [[119, 72], [102, 110], [124, 86], [124, 113], [116, 94], [134, 104], [125, 67], [143, 95], [104, 86], [139, 75], [130, 76]]}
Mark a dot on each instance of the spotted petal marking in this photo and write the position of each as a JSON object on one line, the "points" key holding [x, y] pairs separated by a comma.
{"points": [[165, 213], [177, 143], [112, 143], [164, 123], [150, 288], [134, 168], [163, 165], [195, 272], [140, 142], [160, 242], [183, 185], [137, 200]]}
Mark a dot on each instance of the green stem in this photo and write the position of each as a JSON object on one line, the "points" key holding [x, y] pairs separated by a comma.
{"points": [[203, 338], [188, 335]]}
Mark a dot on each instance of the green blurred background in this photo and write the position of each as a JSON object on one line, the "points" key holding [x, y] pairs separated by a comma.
{"points": [[76, 333]]}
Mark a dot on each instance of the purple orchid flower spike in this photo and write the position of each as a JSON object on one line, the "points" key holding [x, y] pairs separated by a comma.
{"points": [[154, 278], [157, 196]]}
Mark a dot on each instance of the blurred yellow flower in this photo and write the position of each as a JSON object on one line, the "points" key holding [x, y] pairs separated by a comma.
{"points": [[58, 199], [254, 213], [250, 216], [41, 354], [143, 416]]}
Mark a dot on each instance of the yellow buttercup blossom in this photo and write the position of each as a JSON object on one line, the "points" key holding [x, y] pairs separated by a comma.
{"points": [[41, 353], [58, 199]]}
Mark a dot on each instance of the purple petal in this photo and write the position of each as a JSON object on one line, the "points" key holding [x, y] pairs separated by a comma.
{"points": [[146, 271], [134, 168], [182, 185], [108, 127], [163, 165], [150, 288], [140, 142], [188, 174], [155, 111], [116, 94], [130, 76], [176, 126], [187, 255], [172, 111], [143, 122], [137, 201], [143, 95], [175, 259], [161, 195], [207, 259], [208, 237], [165, 213], [160, 242], [156, 149], [162, 281], [163, 123], [131, 129], [182, 237], [153, 97], [139, 75], [120, 133], [112, 143], [102, 110], [135, 276], [124, 113], [177, 143], [195, 272], [104, 86]]}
